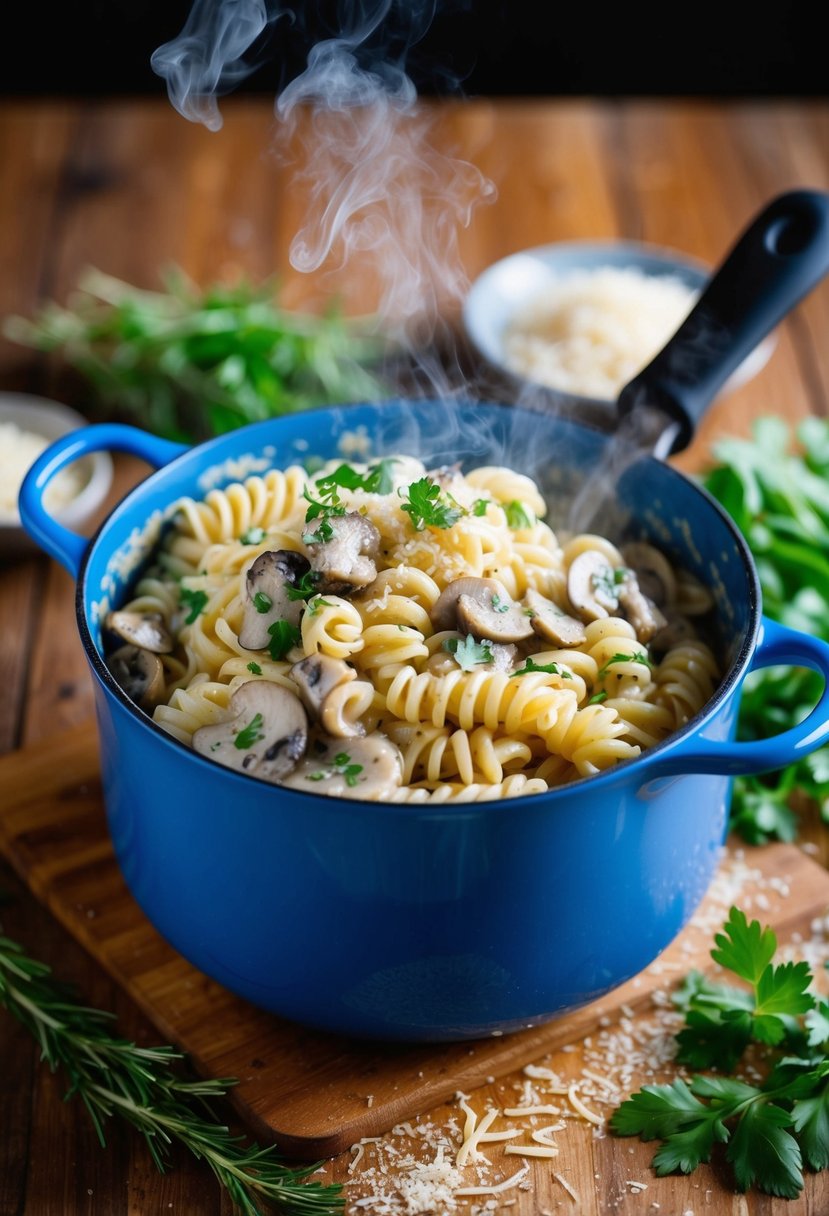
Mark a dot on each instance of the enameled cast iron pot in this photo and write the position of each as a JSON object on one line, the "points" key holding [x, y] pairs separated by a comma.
{"points": [[409, 921]]}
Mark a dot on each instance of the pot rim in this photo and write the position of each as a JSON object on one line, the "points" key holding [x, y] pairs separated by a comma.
{"points": [[619, 771]]}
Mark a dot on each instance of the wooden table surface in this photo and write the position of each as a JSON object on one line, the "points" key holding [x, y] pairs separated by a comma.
{"points": [[130, 187]]}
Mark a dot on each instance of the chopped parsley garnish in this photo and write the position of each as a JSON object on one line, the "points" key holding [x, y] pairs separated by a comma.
{"points": [[249, 734], [305, 587], [428, 507], [468, 652], [552, 669], [317, 603], [262, 603], [194, 601], [480, 506], [252, 536], [608, 580], [498, 604], [774, 1124], [623, 658], [342, 767], [254, 668], [518, 515], [284, 637], [378, 479], [322, 510], [323, 534], [597, 698]]}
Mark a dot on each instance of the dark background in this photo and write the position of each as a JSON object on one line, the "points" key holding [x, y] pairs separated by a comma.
{"points": [[521, 48]]}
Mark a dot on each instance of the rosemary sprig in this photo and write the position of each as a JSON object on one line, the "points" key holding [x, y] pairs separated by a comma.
{"points": [[115, 1077]]}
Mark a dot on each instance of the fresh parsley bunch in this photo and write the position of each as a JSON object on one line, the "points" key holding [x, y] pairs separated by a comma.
{"points": [[189, 363], [772, 1130], [775, 486]]}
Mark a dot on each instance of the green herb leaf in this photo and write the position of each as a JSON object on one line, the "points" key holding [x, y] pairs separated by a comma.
{"points": [[148, 1088], [253, 536], [316, 604], [262, 603], [254, 668], [194, 601], [341, 766], [518, 515], [305, 586], [623, 658], [428, 507], [498, 604], [553, 669], [597, 698], [189, 363], [468, 652], [249, 734], [284, 637], [480, 506]]}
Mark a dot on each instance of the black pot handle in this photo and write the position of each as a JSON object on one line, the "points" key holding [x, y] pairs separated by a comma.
{"points": [[779, 258]]}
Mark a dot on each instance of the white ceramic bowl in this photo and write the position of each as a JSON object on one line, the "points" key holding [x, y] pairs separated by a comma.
{"points": [[52, 419], [509, 286]]}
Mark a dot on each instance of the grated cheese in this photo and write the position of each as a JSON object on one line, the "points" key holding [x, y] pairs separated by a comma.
{"points": [[19, 449], [533, 1150], [574, 1195], [584, 1111], [591, 331], [496, 1188]]}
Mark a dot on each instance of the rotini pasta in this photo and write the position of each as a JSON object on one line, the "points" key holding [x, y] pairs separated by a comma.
{"points": [[389, 632]]}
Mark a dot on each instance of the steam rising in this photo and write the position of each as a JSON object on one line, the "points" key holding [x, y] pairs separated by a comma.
{"points": [[377, 191]]}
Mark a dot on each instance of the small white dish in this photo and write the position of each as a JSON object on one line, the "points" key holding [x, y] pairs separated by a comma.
{"points": [[506, 288], [51, 420]]}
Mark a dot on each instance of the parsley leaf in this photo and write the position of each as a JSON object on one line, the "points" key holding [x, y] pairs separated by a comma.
{"points": [[480, 507], [195, 601], [284, 637], [468, 653], [304, 587], [428, 507], [254, 668], [553, 669], [377, 480], [317, 603], [518, 515], [770, 1128], [262, 603], [341, 766], [249, 734], [252, 536], [623, 658]]}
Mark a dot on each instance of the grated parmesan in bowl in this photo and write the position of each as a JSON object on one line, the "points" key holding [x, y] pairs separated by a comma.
{"points": [[590, 331], [581, 319], [28, 425]]}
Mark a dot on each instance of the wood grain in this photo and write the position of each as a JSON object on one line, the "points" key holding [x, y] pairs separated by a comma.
{"points": [[53, 830], [131, 186]]}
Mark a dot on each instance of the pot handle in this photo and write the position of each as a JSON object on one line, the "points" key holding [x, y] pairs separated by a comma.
{"points": [[778, 259], [59, 542], [777, 645]]}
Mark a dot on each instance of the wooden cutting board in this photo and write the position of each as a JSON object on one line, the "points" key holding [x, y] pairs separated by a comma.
{"points": [[313, 1094]]}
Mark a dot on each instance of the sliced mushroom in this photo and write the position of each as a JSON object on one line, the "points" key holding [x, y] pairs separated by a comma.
{"points": [[677, 629], [481, 606], [144, 629], [493, 616], [653, 570], [642, 612], [591, 586], [265, 736], [140, 673], [366, 768], [316, 676], [346, 561], [551, 623], [267, 600]]}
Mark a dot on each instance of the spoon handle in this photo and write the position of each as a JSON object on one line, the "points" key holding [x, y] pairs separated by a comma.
{"points": [[778, 259]]}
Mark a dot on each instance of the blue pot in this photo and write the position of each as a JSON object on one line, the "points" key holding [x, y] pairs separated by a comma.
{"points": [[406, 921]]}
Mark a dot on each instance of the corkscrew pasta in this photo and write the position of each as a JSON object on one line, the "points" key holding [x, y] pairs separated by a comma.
{"points": [[421, 635]]}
